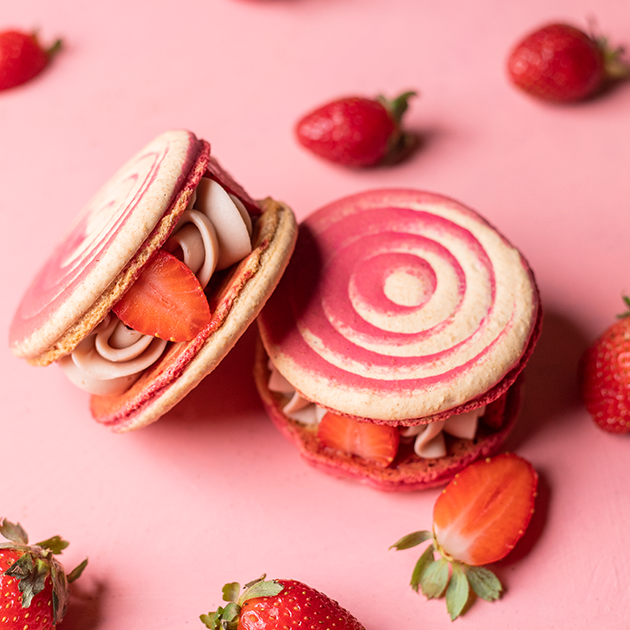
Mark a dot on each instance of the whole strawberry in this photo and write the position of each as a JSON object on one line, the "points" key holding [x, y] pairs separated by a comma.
{"points": [[356, 131], [605, 377], [562, 64], [274, 604], [33, 582], [22, 58], [478, 519]]}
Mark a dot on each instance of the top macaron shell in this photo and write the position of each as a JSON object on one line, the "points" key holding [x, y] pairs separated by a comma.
{"points": [[103, 239], [400, 305]]}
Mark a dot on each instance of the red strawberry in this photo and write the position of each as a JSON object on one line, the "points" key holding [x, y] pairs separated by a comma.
{"points": [[375, 442], [33, 582], [561, 63], [278, 604], [605, 377], [165, 301], [22, 58], [356, 131], [478, 519]]}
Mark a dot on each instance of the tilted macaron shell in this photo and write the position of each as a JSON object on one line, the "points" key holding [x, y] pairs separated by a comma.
{"points": [[345, 335], [120, 226]]}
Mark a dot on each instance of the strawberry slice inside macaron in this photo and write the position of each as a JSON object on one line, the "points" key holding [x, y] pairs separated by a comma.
{"points": [[166, 301], [375, 442]]}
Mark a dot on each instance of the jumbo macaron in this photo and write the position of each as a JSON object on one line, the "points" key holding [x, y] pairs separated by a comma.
{"points": [[392, 348], [155, 281]]}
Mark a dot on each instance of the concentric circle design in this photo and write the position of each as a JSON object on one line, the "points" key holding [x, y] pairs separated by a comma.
{"points": [[399, 305], [101, 241]]}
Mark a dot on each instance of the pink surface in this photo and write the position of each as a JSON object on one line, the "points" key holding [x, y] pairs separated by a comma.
{"points": [[214, 478]]}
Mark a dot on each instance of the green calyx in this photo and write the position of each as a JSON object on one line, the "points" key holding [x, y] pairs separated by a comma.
{"points": [[626, 313], [36, 565], [446, 577], [398, 106], [616, 68], [227, 618], [400, 143]]}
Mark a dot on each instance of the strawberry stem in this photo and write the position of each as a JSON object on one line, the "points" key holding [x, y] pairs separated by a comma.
{"points": [[626, 313], [616, 68], [447, 576], [54, 49]]}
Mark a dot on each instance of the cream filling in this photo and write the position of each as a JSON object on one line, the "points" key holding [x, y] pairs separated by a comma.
{"points": [[213, 233], [428, 439]]}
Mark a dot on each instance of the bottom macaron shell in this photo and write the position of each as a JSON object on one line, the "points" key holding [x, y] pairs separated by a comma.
{"points": [[408, 471], [234, 304]]}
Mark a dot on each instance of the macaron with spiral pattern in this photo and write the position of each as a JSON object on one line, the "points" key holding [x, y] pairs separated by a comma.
{"points": [[392, 348], [155, 281]]}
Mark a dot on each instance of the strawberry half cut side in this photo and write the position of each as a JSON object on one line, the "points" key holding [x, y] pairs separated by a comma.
{"points": [[165, 301], [477, 519], [375, 442]]}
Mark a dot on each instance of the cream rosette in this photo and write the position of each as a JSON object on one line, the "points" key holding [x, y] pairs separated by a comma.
{"points": [[213, 233]]}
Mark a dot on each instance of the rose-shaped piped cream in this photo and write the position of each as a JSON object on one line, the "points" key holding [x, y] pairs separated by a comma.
{"points": [[428, 438], [109, 360]]}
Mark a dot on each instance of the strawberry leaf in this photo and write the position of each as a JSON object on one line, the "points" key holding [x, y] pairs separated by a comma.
{"points": [[457, 592], [21, 568], [626, 313], [77, 571], [484, 582], [231, 613], [434, 578], [418, 571], [398, 106], [212, 619], [56, 544], [411, 540], [230, 591], [31, 575], [266, 588], [13, 532]]}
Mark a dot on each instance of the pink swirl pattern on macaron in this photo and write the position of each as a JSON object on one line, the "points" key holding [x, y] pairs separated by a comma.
{"points": [[103, 238], [399, 305]]}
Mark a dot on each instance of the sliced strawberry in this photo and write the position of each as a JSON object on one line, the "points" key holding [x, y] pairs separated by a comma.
{"points": [[374, 442], [477, 519], [165, 301], [483, 512]]}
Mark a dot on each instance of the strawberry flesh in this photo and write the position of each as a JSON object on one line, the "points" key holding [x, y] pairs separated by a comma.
{"points": [[165, 301], [485, 509], [375, 442]]}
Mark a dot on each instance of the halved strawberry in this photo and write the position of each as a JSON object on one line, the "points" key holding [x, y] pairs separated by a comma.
{"points": [[483, 512], [165, 301], [375, 442], [477, 519]]}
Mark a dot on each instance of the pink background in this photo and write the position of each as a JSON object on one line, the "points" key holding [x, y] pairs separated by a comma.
{"points": [[212, 493]]}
